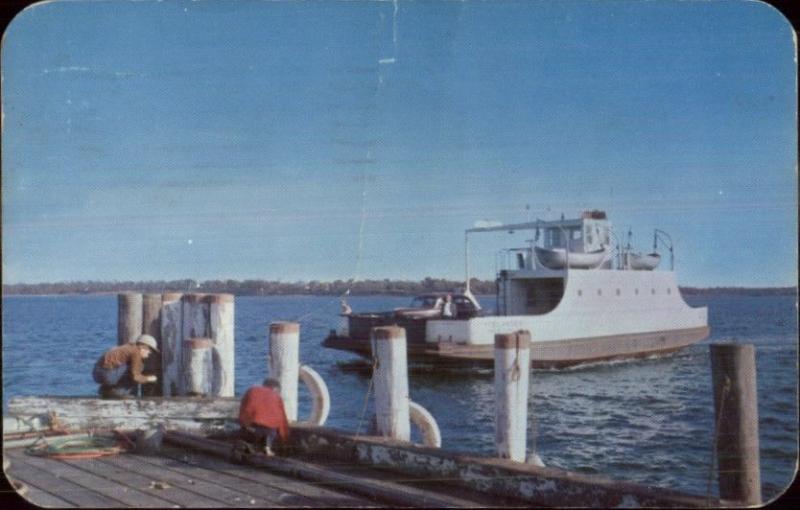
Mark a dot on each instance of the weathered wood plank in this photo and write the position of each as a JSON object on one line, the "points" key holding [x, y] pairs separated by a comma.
{"points": [[144, 483], [36, 495], [247, 477], [384, 491], [81, 472], [228, 487], [210, 491], [42, 474], [184, 413], [538, 485], [441, 485], [42, 498]]}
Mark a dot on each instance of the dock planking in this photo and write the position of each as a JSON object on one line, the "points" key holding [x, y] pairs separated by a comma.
{"points": [[49, 477], [256, 481], [174, 478]]}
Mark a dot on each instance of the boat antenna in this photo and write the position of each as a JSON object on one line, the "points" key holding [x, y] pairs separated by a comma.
{"points": [[466, 262]]}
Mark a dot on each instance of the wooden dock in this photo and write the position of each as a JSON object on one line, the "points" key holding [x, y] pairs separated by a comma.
{"points": [[182, 477]]}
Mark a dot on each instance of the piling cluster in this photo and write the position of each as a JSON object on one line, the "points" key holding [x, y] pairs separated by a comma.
{"points": [[195, 334]]}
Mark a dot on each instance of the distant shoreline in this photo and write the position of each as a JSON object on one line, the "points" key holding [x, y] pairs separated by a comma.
{"points": [[315, 288]]}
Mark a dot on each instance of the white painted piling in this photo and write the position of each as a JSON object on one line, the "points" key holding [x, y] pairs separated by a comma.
{"points": [[198, 371], [221, 332], [733, 372], [171, 343], [129, 317], [284, 362], [511, 379], [391, 382]]}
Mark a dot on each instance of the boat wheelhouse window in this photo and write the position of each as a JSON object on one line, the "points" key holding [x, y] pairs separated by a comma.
{"points": [[423, 302], [576, 234], [463, 304], [553, 237], [588, 234]]}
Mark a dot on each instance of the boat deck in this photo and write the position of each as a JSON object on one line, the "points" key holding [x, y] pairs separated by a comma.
{"points": [[179, 477]]}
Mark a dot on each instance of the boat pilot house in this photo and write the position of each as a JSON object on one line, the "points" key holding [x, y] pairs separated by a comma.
{"points": [[582, 293]]}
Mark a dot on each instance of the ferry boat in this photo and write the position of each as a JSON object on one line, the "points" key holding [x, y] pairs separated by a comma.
{"points": [[582, 297]]}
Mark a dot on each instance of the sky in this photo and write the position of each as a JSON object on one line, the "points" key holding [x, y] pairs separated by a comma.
{"points": [[291, 141]]}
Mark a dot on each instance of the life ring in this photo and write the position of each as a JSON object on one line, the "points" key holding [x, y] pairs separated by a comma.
{"points": [[426, 423], [321, 405]]}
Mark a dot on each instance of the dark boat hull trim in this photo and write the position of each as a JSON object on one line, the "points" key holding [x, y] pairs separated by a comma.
{"points": [[555, 354]]}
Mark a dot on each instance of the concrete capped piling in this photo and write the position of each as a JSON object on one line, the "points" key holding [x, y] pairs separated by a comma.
{"points": [[129, 317], [391, 382], [221, 332], [171, 339], [511, 379], [733, 372], [284, 362], [198, 366]]}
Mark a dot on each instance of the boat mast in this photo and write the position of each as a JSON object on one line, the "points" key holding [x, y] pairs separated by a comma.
{"points": [[466, 262]]}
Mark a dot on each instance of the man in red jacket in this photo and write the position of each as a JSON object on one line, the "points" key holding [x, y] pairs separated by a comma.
{"points": [[262, 416]]}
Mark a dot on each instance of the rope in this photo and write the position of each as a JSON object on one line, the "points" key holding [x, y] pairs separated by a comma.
{"points": [[76, 448], [725, 388], [375, 365]]}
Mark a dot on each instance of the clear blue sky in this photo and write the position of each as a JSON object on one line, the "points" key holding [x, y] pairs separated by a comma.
{"points": [[202, 139]]}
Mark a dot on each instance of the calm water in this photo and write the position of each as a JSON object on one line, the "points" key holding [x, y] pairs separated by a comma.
{"points": [[648, 421]]}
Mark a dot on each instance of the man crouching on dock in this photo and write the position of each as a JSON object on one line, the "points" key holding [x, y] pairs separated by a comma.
{"points": [[262, 415], [119, 370]]}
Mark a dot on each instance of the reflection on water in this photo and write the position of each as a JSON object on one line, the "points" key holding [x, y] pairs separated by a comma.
{"points": [[646, 420]]}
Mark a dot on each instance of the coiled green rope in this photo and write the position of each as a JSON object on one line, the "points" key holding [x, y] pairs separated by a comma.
{"points": [[76, 447]]}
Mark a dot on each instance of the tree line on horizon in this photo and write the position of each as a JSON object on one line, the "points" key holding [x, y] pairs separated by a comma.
{"points": [[314, 287], [254, 287]]}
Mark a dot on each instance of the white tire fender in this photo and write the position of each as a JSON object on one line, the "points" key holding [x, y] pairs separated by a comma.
{"points": [[321, 406], [426, 423]]}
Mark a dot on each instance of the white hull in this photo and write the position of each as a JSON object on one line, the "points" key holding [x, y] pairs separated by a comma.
{"points": [[648, 301]]}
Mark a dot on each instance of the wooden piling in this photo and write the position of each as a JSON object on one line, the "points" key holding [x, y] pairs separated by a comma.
{"points": [[171, 339], [194, 324], [284, 362], [151, 313], [221, 332], [511, 378], [129, 317], [151, 325], [194, 316], [733, 371], [391, 382], [198, 366]]}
